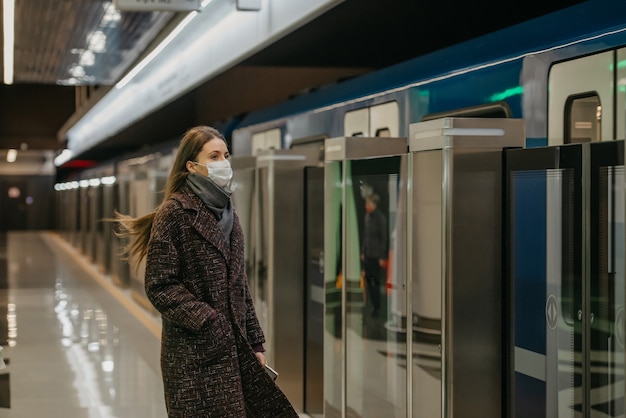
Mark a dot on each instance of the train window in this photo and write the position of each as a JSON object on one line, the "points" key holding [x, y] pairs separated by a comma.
{"points": [[583, 119], [385, 120], [493, 110], [270, 139], [383, 132], [356, 123], [577, 85], [379, 120]]}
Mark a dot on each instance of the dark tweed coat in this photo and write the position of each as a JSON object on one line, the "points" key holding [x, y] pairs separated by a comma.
{"points": [[199, 285]]}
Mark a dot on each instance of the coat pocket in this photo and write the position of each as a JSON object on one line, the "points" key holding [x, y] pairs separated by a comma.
{"points": [[219, 336]]}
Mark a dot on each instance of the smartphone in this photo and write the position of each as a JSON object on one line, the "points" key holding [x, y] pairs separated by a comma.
{"points": [[273, 373]]}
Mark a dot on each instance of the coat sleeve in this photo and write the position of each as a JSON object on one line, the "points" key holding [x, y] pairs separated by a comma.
{"points": [[163, 284]]}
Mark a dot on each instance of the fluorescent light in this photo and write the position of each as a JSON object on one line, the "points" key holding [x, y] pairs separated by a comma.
{"points": [[97, 41], [156, 51], [111, 17], [87, 58], [11, 155], [108, 180], [8, 11], [63, 157]]}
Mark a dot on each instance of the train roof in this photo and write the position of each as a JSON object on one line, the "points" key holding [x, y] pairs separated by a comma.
{"points": [[585, 21]]}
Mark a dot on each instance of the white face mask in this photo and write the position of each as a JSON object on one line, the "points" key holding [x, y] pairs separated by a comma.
{"points": [[220, 172]]}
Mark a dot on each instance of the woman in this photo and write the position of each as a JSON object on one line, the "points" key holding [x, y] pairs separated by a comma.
{"points": [[212, 358]]}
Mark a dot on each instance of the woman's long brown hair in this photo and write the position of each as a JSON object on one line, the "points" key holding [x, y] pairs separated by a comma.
{"points": [[137, 230]]}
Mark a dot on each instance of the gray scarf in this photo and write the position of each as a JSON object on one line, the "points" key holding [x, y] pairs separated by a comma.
{"points": [[215, 198]]}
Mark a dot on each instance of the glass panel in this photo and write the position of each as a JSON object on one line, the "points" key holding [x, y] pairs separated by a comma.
{"points": [[84, 219], [261, 254], [333, 283], [564, 287], [427, 283], [95, 204], [107, 229], [125, 191], [314, 280], [375, 350], [243, 198], [545, 273], [607, 286], [78, 211]]}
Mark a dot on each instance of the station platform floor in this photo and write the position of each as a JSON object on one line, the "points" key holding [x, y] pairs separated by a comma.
{"points": [[74, 345]]}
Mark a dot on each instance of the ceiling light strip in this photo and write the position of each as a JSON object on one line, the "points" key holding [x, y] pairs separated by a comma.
{"points": [[216, 39], [11, 155], [156, 51], [8, 25]]}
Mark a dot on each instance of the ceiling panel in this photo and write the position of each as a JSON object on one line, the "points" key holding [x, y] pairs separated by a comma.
{"points": [[78, 42]]}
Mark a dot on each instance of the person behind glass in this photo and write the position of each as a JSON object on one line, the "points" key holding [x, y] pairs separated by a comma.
{"points": [[212, 359], [373, 250]]}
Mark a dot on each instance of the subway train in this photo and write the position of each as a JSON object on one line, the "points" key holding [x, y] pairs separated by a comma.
{"points": [[498, 167]]}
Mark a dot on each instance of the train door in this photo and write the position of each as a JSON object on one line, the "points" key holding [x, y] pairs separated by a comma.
{"points": [[364, 347], [566, 270]]}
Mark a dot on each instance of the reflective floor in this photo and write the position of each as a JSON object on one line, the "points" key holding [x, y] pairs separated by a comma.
{"points": [[71, 347], [74, 344]]}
